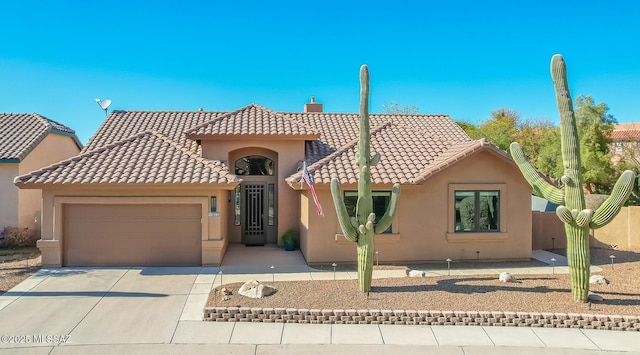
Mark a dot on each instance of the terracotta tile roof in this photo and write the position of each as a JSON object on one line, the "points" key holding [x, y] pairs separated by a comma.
{"points": [[145, 158], [410, 145], [625, 134], [21, 133], [406, 152], [172, 124], [338, 129], [253, 120]]}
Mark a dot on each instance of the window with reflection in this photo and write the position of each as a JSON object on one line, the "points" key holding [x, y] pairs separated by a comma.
{"points": [[381, 200], [477, 211], [255, 165]]}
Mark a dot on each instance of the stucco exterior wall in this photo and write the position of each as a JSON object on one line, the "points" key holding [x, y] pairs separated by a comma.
{"points": [[214, 238], [623, 232], [52, 149], [548, 231], [422, 229], [8, 195], [289, 153]]}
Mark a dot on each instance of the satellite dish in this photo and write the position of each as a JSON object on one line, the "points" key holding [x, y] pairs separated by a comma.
{"points": [[104, 104]]}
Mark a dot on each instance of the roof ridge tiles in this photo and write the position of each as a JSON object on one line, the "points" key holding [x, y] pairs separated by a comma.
{"points": [[472, 147], [221, 117], [193, 130]]}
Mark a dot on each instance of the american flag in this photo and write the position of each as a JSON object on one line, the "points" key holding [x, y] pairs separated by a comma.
{"points": [[309, 180]]}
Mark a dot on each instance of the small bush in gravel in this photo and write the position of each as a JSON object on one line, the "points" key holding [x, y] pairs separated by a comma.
{"points": [[15, 238]]}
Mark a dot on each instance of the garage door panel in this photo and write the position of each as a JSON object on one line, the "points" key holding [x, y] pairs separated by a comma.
{"points": [[132, 235]]}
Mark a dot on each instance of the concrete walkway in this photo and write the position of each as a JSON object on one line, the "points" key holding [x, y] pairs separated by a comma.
{"points": [[142, 310]]}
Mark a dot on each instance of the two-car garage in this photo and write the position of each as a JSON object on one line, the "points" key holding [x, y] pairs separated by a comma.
{"points": [[125, 234]]}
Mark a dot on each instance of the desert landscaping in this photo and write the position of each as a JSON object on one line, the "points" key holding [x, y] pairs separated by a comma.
{"points": [[479, 292]]}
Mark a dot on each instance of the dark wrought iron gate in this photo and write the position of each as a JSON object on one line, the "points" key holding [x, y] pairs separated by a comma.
{"points": [[255, 204]]}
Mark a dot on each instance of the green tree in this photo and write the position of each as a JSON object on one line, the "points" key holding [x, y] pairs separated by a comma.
{"points": [[470, 129], [549, 160], [396, 108], [595, 125], [501, 128], [536, 136]]}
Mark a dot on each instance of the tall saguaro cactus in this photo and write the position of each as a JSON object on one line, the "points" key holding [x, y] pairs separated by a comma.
{"points": [[361, 228], [571, 204]]}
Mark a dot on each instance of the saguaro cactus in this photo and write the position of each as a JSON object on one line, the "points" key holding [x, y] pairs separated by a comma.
{"points": [[571, 204], [361, 228]]}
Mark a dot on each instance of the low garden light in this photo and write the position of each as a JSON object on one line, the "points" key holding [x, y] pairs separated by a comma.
{"points": [[477, 257], [273, 273], [334, 270], [448, 266], [377, 260], [220, 273], [553, 265], [612, 257]]}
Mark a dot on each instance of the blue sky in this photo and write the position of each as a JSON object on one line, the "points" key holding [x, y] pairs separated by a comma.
{"points": [[462, 58]]}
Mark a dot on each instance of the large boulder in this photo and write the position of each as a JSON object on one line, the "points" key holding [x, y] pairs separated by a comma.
{"points": [[507, 277], [598, 279], [255, 289], [415, 273]]}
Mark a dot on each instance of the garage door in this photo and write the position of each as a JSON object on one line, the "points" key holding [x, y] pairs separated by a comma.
{"points": [[132, 235]]}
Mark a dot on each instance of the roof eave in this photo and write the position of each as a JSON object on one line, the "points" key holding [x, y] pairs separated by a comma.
{"points": [[292, 137], [50, 185]]}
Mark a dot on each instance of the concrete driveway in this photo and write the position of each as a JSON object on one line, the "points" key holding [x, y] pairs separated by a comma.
{"points": [[159, 310]]}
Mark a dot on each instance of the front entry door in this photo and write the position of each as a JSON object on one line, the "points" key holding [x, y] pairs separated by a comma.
{"points": [[255, 211]]}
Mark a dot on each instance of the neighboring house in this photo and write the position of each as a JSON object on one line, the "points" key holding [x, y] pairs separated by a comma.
{"points": [[626, 143], [175, 188], [28, 142]]}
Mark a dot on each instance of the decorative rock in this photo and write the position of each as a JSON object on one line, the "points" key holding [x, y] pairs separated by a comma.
{"points": [[255, 289], [415, 273], [225, 292], [507, 277], [595, 297], [598, 279]]}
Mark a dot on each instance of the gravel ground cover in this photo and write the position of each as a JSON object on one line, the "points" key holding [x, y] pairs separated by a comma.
{"points": [[16, 268], [532, 293]]}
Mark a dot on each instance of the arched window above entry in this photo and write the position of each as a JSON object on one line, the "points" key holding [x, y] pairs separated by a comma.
{"points": [[255, 165]]}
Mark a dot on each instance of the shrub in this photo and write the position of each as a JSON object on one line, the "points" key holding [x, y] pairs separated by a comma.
{"points": [[15, 238]]}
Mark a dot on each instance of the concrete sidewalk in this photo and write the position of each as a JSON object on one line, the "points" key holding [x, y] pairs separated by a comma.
{"points": [[159, 310]]}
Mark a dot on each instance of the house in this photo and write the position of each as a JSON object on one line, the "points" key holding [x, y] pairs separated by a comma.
{"points": [[176, 188], [28, 142], [626, 143]]}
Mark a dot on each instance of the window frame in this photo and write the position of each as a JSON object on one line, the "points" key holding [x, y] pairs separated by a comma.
{"points": [[477, 210], [479, 236], [374, 194], [267, 163]]}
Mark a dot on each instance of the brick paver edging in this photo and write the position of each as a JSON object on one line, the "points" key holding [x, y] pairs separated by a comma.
{"points": [[373, 316]]}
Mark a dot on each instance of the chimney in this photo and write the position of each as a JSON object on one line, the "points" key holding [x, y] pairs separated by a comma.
{"points": [[313, 106]]}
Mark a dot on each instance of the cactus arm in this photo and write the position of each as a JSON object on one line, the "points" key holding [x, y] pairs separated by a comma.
{"points": [[387, 218], [375, 159], [349, 231], [564, 214], [611, 206], [539, 185]]}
